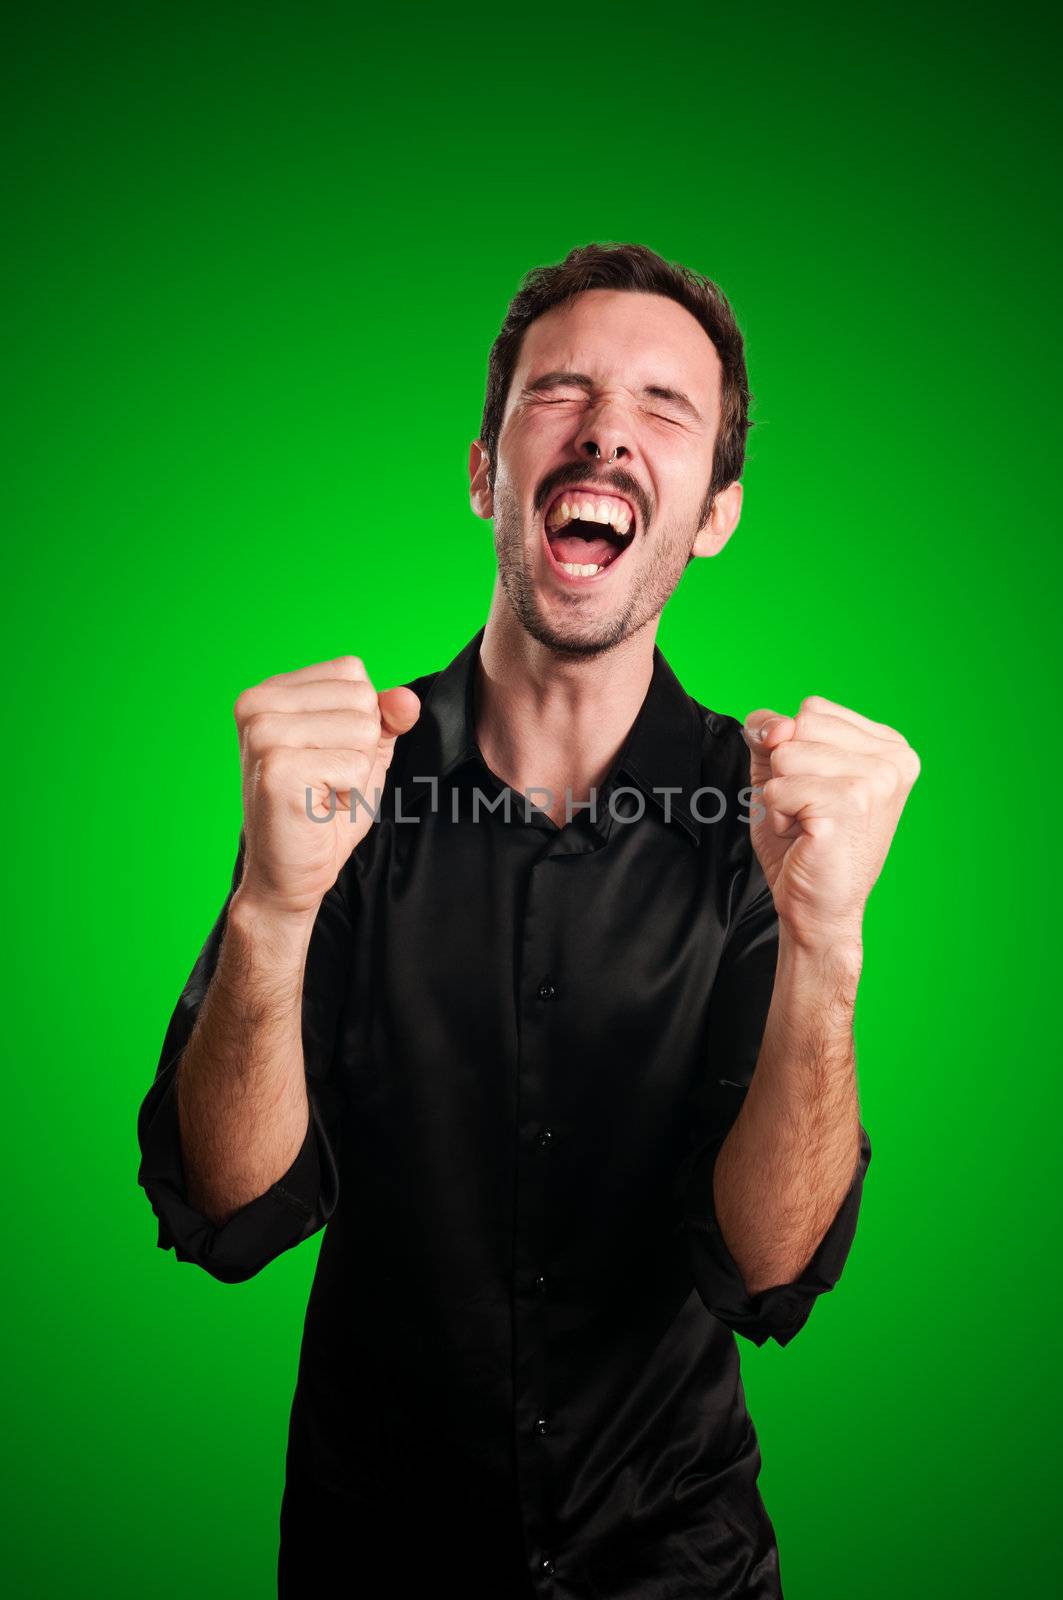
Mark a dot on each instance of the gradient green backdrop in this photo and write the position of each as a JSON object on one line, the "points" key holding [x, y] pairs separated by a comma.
{"points": [[258, 255]]}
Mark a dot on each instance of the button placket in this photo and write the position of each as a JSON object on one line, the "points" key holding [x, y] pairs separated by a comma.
{"points": [[537, 989]]}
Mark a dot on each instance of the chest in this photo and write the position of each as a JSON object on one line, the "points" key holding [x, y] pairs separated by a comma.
{"points": [[485, 949]]}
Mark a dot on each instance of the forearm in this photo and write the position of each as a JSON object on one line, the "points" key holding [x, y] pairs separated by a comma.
{"points": [[241, 1088], [790, 1157]]}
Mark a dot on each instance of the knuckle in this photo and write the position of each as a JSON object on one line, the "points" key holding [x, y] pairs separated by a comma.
{"points": [[857, 794], [812, 702], [272, 767], [884, 777], [804, 722], [243, 704], [257, 728], [353, 773], [363, 697], [359, 729]]}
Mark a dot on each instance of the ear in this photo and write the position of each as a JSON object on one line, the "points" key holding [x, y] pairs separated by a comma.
{"points": [[480, 496], [723, 520]]}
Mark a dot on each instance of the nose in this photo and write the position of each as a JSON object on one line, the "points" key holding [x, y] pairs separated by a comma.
{"points": [[591, 448], [603, 435]]}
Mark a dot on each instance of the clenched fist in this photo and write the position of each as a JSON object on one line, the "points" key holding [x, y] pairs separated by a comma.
{"points": [[831, 785], [321, 729]]}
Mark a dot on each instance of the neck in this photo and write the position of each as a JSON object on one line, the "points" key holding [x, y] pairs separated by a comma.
{"points": [[545, 721]]}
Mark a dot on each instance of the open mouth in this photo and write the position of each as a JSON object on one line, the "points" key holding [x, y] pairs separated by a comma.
{"points": [[586, 531]]}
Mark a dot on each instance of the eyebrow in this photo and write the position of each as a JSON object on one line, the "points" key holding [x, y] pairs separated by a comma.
{"points": [[580, 380]]}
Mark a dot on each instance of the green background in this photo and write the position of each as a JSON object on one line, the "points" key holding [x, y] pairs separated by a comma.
{"points": [[258, 256]]}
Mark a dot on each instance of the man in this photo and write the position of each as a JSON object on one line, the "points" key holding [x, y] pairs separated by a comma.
{"points": [[503, 949]]}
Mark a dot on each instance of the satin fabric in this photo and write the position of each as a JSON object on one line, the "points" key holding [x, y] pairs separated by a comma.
{"points": [[524, 1046]]}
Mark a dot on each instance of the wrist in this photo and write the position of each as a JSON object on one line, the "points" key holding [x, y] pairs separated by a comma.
{"points": [[835, 962], [277, 937]]}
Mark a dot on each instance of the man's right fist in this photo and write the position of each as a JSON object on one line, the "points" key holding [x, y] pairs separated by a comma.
{"points": [[323, 728]]}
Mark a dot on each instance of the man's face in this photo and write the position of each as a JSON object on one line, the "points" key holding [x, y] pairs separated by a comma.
{"points": [[590, 546]]}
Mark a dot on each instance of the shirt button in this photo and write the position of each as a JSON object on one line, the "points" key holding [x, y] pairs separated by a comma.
{"points": [[542, 1425], [545, 1137], [546, 1567], [547, 990]]}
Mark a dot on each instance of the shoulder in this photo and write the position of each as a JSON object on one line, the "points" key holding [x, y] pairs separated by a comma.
{"points": [[722, 755], [423, 684], [727, 804]]}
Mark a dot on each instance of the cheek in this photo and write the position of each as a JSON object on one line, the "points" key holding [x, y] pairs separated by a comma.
{"points": [[685, 481], [528, 436]]}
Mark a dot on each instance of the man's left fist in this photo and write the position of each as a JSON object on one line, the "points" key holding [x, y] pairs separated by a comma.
{"points": [[829, 786]]}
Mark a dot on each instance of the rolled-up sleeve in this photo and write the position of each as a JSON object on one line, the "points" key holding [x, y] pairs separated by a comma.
{"points": [[738, 1013], [303, 1199]]}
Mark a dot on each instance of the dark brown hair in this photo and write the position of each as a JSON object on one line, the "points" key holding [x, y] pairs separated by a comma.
{"points": [[633, 267]]}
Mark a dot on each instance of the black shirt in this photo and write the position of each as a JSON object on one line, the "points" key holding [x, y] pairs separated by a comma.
{"points": [[524, 1046]]}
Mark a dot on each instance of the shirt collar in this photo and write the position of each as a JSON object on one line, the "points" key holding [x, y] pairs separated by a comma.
{"points": [[662, 753]]}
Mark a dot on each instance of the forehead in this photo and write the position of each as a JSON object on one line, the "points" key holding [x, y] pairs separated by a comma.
{"points": [[628, 338]]}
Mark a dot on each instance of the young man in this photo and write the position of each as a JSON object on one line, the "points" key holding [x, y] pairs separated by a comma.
{"points": [[557, 1036]]}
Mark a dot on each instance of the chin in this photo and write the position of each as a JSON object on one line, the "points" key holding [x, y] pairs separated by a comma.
{"points": [[574, 639]]}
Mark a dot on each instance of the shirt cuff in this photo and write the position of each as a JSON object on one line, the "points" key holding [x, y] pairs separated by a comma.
{"points": [[289, 1211], [780, 1311]]}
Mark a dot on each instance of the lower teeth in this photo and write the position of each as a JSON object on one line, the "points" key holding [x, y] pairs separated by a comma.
{"points": [[577, 570]]}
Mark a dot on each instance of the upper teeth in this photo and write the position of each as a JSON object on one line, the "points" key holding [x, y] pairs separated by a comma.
{"points": [[590, 508]]}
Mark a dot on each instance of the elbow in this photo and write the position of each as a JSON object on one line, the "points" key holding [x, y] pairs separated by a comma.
{"points": [[235, 1247]]}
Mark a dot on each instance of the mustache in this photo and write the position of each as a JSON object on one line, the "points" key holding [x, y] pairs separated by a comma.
{"points": [[615, 482]]}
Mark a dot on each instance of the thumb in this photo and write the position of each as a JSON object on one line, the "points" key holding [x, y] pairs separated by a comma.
{"points": [[399, 710], [762, 733]]}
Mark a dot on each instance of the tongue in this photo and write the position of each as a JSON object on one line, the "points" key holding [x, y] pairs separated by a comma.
{"points": [[570, 547]]}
